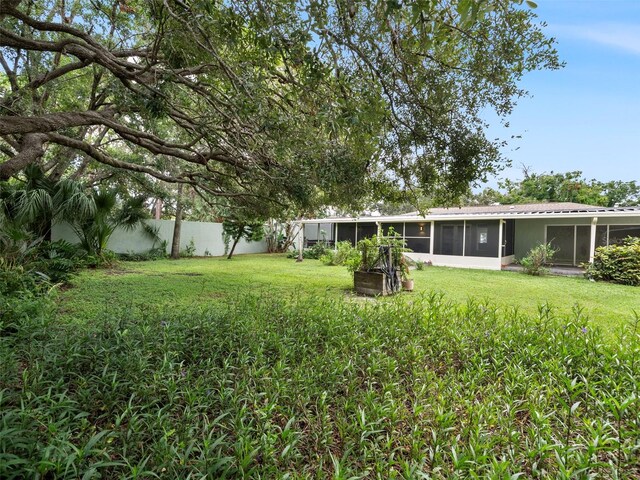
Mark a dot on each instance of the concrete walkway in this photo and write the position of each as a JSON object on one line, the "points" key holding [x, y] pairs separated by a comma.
{"points": [[563, 271]]}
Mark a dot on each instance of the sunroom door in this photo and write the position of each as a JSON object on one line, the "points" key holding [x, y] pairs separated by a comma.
{"points": [[583, 244], [562, 239]]}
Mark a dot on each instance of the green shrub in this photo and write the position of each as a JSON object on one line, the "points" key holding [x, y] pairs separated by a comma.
{"points": [[343, 254], [353, 263], [156, 253], [328, 258], [190, 250], [535, 263], [59, 260], [314, 252], [22, 306], [617, 263], [16, 280], [369, 249], [104, 259], [47, 263]]}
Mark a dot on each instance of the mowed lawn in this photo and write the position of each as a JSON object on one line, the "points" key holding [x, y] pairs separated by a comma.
{"points": [[198, 281]]}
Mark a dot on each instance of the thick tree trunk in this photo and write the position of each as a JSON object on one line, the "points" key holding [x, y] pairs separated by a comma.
{"points": [[32, 148], [175, 244], [235, 242]]}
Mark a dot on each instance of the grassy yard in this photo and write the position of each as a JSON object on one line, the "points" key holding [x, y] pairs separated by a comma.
{"points": [[263, 368], [200, 281]]}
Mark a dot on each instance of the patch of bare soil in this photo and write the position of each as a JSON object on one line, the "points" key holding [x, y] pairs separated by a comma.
{"points": [[117, 271]]}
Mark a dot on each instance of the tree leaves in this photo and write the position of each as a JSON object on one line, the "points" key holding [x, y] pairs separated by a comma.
{"points": [[271, 104]]}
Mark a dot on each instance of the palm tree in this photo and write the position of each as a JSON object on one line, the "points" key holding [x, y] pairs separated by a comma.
{"points": [[28, 211], [110, 213], [40, 202]]}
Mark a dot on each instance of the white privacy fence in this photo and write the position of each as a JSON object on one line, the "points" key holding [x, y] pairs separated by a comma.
{"points": [[206, 237]]}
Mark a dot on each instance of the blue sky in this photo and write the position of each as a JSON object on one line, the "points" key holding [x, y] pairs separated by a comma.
{"points": [[585, 116]]}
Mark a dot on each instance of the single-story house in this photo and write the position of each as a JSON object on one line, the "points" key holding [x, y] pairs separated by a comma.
{"points": [[493, 236]]}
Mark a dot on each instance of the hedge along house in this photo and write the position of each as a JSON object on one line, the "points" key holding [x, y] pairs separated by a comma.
{"points": [[490, 237]]}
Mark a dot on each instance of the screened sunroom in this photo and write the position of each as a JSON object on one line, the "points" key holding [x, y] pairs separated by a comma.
{"points": [[489, 237]]}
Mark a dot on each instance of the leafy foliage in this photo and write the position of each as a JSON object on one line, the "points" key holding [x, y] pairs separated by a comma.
{"points": [[110, 213], [39, 267], [314, 252], [343, 254], [29, 209], [561, 187], [537, 260], [236, 228], [617, 263], [59, 260], [369, 249], [155, 253], [402, 389], [268, 104], [27, 212], [190, 250], [280, 235]]}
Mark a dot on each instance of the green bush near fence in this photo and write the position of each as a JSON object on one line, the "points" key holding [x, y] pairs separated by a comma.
{"points": [[617, 263]]}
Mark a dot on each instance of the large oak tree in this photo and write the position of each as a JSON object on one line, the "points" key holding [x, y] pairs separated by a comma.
{"points": [[264, 103]]}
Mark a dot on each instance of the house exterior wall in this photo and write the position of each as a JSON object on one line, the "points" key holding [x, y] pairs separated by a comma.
{"points": [[531, 231], [206, 236], [509, 259], [484, 263], [619, 221], [520, 235]]}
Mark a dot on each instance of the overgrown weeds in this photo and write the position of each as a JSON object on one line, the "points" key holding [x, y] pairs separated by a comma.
{"points": [[318, 388]]}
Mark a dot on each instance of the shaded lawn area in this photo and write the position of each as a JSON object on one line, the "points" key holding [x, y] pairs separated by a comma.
{"points": [[205, 280]]}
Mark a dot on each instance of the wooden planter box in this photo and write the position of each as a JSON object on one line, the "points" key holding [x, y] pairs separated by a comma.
{"points": [[372, 283]]}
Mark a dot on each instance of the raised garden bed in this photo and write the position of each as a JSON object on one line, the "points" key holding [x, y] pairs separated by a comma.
{"points": [[375, 283]]}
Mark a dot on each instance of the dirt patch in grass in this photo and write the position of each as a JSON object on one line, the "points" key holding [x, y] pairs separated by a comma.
{"points": [[190, 274], [114, 271]]}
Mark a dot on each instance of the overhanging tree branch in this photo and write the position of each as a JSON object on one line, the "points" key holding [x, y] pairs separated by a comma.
{"points": [[31, 150], [239, 100]]}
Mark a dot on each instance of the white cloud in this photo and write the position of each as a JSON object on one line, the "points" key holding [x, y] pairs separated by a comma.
{"points": [[619, 36]]}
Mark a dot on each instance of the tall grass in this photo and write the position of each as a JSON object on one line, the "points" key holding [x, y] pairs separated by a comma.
{"points": [[318, 388]]}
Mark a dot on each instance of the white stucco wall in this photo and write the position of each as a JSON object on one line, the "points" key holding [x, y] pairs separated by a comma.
{"points": [[485, 263], [207, 237], [508, 260]]}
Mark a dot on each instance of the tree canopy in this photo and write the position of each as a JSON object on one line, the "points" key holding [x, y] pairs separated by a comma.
{"points": [[561, 187], [264, 104]]}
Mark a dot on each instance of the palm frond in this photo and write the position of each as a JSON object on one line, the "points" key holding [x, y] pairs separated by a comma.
{"points": [[132, 213], [152, 232], [33, 205], [72, 201], [105, 201]]}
